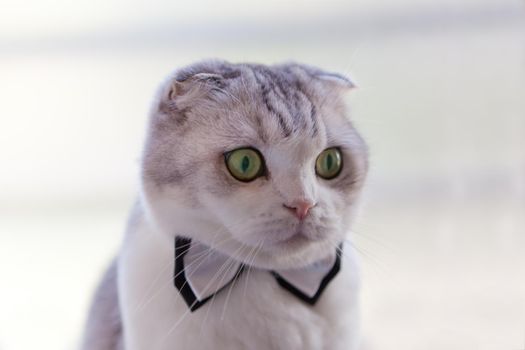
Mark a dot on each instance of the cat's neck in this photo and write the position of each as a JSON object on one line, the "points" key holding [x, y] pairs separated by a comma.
{"points": [[154, 311]]}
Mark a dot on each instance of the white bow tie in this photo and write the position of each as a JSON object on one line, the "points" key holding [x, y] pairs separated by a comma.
{"points": [[200, 274]]}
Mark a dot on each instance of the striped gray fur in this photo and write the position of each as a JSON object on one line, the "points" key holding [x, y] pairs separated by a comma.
{"points": [[227, 95]]}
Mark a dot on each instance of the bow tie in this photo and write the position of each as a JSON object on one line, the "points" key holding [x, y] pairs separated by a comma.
{"points": [[200, 273]]}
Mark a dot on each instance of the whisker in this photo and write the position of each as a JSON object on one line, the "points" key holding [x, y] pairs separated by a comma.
{"points": [[213, 299], [255, 256], [365, 254], [373, 239], [248, 267], [228, 262], [229, 293], [200, 260]]}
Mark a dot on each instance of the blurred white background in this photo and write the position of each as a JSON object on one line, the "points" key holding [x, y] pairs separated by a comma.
{"points": [[441, 103]]}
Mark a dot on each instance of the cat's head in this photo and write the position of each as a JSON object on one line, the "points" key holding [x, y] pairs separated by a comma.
{"points": [[260, 162]]}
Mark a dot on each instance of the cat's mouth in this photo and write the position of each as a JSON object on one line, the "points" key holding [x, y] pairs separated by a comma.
{"points": [[285, 249]]}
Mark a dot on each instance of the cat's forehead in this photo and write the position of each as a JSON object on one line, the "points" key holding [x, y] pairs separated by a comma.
{"points": [[228, 105], [277, 105]]}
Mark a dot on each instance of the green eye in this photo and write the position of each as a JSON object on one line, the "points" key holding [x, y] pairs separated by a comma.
{"points": [[329, 163], [244, 164]]}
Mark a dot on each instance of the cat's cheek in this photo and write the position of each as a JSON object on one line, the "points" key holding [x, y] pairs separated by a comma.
{"points": [[231, 210]]}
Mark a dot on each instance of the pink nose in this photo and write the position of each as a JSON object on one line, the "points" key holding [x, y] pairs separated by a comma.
{"points": [[300, 208]]}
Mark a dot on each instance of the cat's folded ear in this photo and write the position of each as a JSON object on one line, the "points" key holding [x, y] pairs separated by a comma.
{"points": [[179, 95], [200, 82], [336, 80], [204, 80], [183, 91], [330, 79]]}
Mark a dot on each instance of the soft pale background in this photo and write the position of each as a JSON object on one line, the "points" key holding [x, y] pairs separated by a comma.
{"points": [[442, 104]]}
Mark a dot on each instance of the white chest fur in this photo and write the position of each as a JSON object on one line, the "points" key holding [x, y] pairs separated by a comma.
{"points": [[255, 313]]}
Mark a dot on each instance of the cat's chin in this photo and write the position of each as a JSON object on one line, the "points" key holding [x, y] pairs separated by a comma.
{"points": [[297, 241], [293, 252]]}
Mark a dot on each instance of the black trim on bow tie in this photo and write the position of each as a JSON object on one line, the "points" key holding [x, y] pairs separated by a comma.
{"points": [[182, 245], [324, 283]]}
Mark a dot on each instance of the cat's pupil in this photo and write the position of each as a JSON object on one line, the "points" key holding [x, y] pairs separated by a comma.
{"points": [[245, 163], [329, 162]]}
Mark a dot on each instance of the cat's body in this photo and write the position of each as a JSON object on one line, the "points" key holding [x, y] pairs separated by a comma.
{"points": [[209, 109]]}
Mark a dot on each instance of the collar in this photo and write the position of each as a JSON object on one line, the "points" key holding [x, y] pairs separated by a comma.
{"points": [[200, 274]]}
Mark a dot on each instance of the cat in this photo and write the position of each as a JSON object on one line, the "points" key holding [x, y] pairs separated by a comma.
{"points": [[250, 181]]}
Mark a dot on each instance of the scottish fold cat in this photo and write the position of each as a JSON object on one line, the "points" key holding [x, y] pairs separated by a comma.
{"points": [[250, 180]]}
